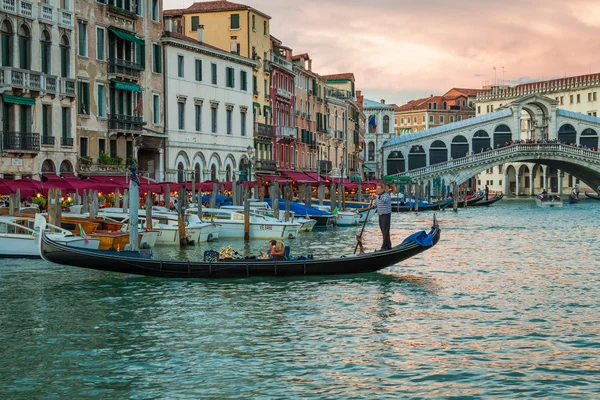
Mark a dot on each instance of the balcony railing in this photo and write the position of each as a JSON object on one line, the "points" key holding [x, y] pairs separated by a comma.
{"points": [[20, 141], [285, 131], [47, 140], [67, 87], [46, 14], [23, 8], [340, 94], [20, 78], [339, 135], [65, 18], [51, 84], [66, 141], [26, 9], [9, 6], [266, 165], [284, 93], [263, 130], [125, 122], [124, 67], [282, 62]]}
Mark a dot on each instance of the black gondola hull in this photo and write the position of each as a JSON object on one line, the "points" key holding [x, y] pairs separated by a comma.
{"points": [[242, 268], [485, 203], [593, 197]]}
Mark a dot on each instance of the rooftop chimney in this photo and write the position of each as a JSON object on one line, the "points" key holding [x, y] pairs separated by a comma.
{"points": [[169, 25], [382, 101], [310, 64], [233, 44], [200, 33]]}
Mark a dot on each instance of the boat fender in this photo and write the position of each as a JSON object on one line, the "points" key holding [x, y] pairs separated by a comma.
{"points": [[291, 236], [210, 237], [191, 242]]}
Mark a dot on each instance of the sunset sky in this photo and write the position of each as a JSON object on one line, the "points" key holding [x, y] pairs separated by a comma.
{"points": [[404, 49]]}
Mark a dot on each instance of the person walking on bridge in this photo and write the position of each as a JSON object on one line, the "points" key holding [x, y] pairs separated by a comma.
{"points": [[382, 202]]}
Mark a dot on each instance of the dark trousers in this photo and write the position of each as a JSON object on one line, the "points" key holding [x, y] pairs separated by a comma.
{"points": [[384, 225]]}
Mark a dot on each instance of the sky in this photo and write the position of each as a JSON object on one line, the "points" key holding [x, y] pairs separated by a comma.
{"points": [[401, 50]]}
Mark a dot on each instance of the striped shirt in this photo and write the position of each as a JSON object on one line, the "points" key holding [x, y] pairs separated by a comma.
{"points": [[383, 204]]}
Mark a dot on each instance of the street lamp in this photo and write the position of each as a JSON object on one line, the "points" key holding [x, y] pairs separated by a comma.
{"points": [[249, 151]]}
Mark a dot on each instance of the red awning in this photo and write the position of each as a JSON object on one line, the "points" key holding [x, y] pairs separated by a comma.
{"points": [[28, 187], [298, 177], [271, 178], [4, 187], [51, 178], [70, 177]]}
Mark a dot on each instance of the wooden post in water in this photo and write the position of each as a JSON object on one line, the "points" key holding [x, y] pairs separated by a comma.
{"points": [[308, 196], [126, 201], [134, 205], [321, 192], [84, 201], [199, 195], [213, 195], [181, 206], [261, 190], [275, 199], [302, 193], [234, 193], [332, 197], [246, 215], [417, 195], [359, 192], [76, 198], [409, 193], [193, 186], [11, 203], [149, 223], [117, 198], [94, 205], [340, 188], [454, 197], [54, 206], [286, 196], [343, 193], [168, 197]]}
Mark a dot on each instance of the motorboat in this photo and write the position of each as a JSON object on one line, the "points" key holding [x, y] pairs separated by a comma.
{"points": [[19, 237], [343, 218], [548, 200], [263, 208], [261, 226]]}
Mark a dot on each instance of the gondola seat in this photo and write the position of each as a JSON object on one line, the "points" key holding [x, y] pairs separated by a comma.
{"points": [[211, 256]]}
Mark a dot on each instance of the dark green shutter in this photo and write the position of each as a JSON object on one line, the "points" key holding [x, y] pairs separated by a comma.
{"points": [[45, 57], [235, 21], [214, 73], [23, 53], [141, 55], [64, 62], [5, 50], [199, 70], [195, 23]]}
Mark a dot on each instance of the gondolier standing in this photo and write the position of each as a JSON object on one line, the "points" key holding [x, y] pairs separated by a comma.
{"points": [[382, 202]]}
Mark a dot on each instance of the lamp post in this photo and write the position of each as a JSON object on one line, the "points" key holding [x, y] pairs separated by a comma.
{"points": [[249, 151]]}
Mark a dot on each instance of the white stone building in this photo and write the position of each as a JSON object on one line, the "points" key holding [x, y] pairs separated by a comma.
{"points": [[37, 86], [376, 134], [209, 119]]}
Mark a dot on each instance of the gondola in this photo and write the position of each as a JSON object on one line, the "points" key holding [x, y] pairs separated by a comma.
{"points": [[429, 207], [592, 197], [470, 202], [573, 199], [213, 267], [484, 203]]}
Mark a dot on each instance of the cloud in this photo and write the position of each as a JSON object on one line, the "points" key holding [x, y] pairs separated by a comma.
{"points": [[403, 47]]}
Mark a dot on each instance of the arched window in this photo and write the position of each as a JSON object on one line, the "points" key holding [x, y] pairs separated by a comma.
{"points": [[371, 151], [372, 121], [65, 60], [24, 47], [6, 43], [180, 173], [567, 134], [46, 52], [213, 172], [66, 167], [197, 173], [386, 124]]}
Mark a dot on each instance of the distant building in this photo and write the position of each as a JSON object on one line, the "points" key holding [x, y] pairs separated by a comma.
{"points": [[379, 118]]}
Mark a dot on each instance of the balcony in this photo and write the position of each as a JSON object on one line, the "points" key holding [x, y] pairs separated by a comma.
{"points": [[267, 66], [124, 68], [23, 8], [65, 18], [66, 142], [51, 84], [20, 141], [339, 135], [48, 140], [282, 62], [266, 165], [46, 14], [285, 132], [125, 122], [284, 93], [263, 130], [67, 87], [20, 78], [340, 94]]}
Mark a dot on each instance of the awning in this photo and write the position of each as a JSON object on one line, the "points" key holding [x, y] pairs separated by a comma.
{"points": [[267, 109], [130, 37], [257, 105], [26, 101], [132, 87], [299, 177]]}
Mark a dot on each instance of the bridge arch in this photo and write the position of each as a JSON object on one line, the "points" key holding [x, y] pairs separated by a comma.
{"points": [[438, 152], [481, 141], [417, 158], [459, 147], [567, 134], [502, 134], [396, 163], [589, 138]]}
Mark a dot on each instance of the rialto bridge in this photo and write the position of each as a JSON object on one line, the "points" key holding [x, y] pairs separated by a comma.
{"points": [[547, 141]]}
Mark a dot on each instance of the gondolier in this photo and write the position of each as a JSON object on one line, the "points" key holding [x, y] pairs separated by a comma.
{"points": [[382, 202]]}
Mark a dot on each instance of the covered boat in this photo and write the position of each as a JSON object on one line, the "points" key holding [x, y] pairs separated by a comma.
{"points": [[214, 267]]}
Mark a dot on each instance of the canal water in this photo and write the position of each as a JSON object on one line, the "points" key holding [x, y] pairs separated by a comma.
{"points": [[506, 305]]}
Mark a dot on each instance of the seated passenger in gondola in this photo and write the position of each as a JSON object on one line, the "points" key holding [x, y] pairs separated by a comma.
{"points": [[276, 250]]}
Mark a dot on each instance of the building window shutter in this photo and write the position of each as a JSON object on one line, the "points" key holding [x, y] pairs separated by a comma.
{"points": [[235, 21], [199, 70], [195, 23]]}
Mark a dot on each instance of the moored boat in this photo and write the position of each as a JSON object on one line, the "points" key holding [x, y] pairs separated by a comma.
{"points": [[548, 200], [597, 197], [214, 267], [484, 203]]}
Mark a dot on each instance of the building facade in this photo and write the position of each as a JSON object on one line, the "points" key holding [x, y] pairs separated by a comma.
{"points": [[306, 86], [209, 111], [119, 72], [37, 86], [379, 129]]}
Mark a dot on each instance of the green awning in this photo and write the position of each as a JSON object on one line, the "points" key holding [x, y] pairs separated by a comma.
{"points": [[130, 37], [267, 109], [397, 180], [132, 87], [257, 105], [26, 101]]}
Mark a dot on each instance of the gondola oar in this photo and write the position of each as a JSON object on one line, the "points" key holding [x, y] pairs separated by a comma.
{"points": [[359, 236]]}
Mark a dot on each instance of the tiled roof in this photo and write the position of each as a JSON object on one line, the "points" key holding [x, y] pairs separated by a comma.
{"points": [[467, 92], [347, 76], [419, 104], [174, 12], [216, 6], [181, 36], [501, 113], [376, 104], [571, 114]]}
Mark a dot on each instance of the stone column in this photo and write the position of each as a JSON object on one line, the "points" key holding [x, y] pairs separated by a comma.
{"points": [[517, 184], [160, 172], [545, 181], [531, 182], [560, 182]]}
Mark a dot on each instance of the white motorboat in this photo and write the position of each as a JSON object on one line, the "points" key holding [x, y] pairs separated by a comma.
{"points": [[548, 200], [261, 226], [19, 237], [262, 208], [165, 223], [343, 218], [365, 214]]}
